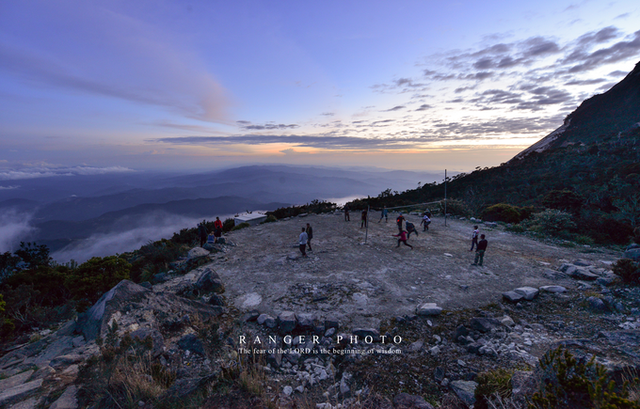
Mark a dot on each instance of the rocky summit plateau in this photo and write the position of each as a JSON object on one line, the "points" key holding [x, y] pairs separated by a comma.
{"points": [[360, 322]]}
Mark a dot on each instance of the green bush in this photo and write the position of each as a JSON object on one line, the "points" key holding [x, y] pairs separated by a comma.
{"points": [[93, 278], [564, 200], [567, 382], [270, 219], [490, 383], [628, 270], [502, 212], [584, 240], [454, 207], [516, 228], [552, 222], [241, 226], [228, 225]]}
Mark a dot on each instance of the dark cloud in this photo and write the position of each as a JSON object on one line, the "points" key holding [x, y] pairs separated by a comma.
{"points": [[327, 114], [424, 107], [395, 108], [497, 96], [618, 73], [585, 82], [604, 35], [539, 47], [243, 122], [269, 127], [586, 61]]}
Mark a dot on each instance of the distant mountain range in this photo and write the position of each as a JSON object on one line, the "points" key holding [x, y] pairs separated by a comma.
{"points": [[67, 209]]}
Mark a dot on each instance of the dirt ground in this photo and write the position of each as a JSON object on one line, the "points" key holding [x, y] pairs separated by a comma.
{"points": [[363, 283]]}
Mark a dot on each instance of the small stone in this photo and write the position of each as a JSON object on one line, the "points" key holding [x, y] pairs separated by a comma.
{"points": [[287, 390], [553, 289], [529, 293], [512, 296], [428, 309]]}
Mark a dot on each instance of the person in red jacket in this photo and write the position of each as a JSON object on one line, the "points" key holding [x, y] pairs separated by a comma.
{"points": [[402, 239], [217, 229]]}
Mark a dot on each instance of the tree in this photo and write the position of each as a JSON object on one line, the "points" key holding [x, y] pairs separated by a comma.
{"points": [[91, 279]]}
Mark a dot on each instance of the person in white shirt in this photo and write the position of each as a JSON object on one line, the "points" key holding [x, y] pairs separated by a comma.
{"points": [[426, 221], [302, 241]]}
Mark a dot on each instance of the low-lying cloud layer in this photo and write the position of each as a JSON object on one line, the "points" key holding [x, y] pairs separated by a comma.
{"points": [[15, 226]]}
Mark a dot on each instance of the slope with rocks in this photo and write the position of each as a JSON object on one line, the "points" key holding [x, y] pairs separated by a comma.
{"points": [[258, 286]]}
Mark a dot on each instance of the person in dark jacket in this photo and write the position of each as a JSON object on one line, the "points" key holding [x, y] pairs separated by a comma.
{"points": [[480, 250], [202, 233], [309, 231], [411, 228]]}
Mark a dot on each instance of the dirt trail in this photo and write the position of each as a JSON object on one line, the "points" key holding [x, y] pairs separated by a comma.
{"points": [[363, 283]]}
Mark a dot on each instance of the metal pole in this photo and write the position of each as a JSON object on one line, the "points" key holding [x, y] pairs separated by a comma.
{"points": [[445, 197], [366, 230]]}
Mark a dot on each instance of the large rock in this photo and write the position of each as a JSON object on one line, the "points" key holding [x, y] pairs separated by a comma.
{"points": [[428, 310], [582, 274], [209, 282], [197, 252], [529, 293], [157, 340], [287, 321], [406, 401], [465, 391], [267, 320], [483, 324], [306, 320], [633, 254], [553, 289], [512, 296], [92, 323], [19, 392], [67, 400], [190, 342], [15, 380]]}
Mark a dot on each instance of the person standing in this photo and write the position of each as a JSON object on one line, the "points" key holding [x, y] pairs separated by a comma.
{"points": [[426, 221], [474, 237], [480, 250], [202, 232], [217, 229], [384, 215], [411, 228], [363, 222], [346, 214], [302, 242], [402, 238], [399, 222], [309, 231]]}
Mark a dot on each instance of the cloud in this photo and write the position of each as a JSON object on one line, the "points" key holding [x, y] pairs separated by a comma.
{"points": [[108, 54], [9, 187], [14, 227], [424, 107], [44, 171], [269, 127], [395, 108], [581, 60], [151, 227]]}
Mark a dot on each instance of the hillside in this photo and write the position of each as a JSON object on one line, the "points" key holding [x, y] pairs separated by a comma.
{"points": [[208, 328], [595, 156]]}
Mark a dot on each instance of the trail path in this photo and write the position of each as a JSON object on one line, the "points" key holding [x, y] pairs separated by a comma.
{"points": [[363, 283]]}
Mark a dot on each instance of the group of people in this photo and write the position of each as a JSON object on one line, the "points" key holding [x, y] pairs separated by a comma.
{"points": [[203, 232], [304, 240]]}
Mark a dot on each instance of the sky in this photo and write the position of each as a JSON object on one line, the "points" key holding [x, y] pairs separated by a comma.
{"points": [[113, 86]]}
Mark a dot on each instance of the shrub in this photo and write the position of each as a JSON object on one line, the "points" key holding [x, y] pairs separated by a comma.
{"points": [[241, 226], [584, 240], [628, 270], [564, 200], [455, 207], [270, 219], [491, 383], [516, 228], [552, 222], [91, 279], [568, 382], [228, 225], [502, 212]]}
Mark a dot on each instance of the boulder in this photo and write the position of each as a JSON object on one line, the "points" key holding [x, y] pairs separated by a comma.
{"points": [[287, 321], [465, 390], [215, 299], [190, 342], [267, 320], [197, 252], [306, 321], [633, 254], [596, 304], [157, 340], [512, 296], [428, 310], [366, 332], [553, 289], [483, 324], [582, 263], [67, 400], [92, 323], [19, 392], [529, 293], [582, 274], [209, 282]]}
